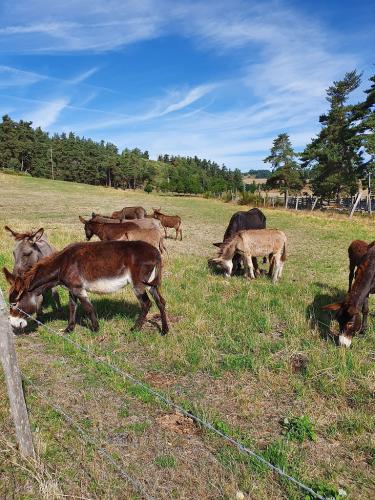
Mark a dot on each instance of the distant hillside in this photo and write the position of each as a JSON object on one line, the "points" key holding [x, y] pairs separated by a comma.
{"points": [[259, 174]]}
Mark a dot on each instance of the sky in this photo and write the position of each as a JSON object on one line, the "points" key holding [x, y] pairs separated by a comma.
{"points": [[219, 79]]}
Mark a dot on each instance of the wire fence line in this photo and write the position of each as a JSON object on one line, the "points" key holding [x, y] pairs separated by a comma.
{"points": [[137, 485], [169, 402]]}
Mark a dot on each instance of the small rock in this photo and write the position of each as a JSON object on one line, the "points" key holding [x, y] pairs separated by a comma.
{"points": [[240, 495]]}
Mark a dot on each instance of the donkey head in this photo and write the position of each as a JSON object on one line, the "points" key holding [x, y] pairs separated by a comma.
{"points": [[88, 228], [20, 298], [157, 213], [225, 265], [26, 252], [349, 319]]}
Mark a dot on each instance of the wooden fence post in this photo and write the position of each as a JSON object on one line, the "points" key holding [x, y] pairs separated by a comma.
{"points": [[14, 383]]}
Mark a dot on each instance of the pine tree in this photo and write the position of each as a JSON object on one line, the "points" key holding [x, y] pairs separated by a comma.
{"points": [[286, 174], [334, 156]]}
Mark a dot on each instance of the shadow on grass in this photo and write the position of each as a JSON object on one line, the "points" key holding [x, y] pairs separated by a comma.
{"points": [[318, 318], [105, 309]]}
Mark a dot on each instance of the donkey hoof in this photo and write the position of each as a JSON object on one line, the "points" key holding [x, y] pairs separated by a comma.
{"points": [[68, 329], [94, 328]]}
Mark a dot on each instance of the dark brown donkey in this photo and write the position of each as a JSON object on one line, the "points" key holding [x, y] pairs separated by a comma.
{"points": [[30, 247], [349, 310], [173, 221], [130, 213], [356, 251], [98, 267]]}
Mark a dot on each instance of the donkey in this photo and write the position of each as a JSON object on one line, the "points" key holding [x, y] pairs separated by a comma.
{"points": [[251, 219], [173, 221], [146, 223], [30, 247], [124, 231], [98, 267], [130, 213], [254, 243], [348, 312], [356, 251]]}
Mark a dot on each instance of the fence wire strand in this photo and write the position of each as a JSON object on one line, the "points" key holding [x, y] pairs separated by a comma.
{"points": [[169, 402], [137, 485]]}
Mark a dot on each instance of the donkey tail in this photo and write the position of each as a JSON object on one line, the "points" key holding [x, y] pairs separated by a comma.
{"points": [[283, 255], [156, 275]]}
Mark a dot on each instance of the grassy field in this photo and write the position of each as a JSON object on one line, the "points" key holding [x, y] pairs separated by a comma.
{"points": [[229, 357]]}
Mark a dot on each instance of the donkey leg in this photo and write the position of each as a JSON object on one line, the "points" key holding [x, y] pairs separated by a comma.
{"points": [[255, 266], [89, 310], [276, 267], [250, 266], [364, 316], [72, 313], [145, 304], [160, 302], [56, 304], [351, 276], [180, 234]]}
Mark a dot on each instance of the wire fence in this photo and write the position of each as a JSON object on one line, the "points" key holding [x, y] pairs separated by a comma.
{"points": [[137, 485], [169, 402]]}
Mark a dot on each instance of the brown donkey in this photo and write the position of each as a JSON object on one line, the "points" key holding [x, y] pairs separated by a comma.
{"points": [[130, 213], [348, 312], [254, 243], [98, 267], [127, 231], [172, 221], [356, 251]]}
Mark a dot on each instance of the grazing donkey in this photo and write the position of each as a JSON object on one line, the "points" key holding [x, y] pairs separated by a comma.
{"points": [[146, 223], [99, 267], [356, 251], [254, 243], [173, 221], [124, 231], [252, 219], [30, 247], [348, 312], [130, 213]]}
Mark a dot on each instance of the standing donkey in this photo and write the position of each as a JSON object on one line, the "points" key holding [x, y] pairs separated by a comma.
{"points": [[173, 221], [30, 247], [254, 243], [98, 267]]}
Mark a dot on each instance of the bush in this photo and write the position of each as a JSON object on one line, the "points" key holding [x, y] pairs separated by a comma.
{"points": [[148, 188]]}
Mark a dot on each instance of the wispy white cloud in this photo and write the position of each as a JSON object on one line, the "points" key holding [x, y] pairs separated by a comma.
{"points": [[286, 60], [47, 114]]}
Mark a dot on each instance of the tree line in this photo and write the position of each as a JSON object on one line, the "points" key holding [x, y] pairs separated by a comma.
{"points": [[69, 157], [340, 157]]}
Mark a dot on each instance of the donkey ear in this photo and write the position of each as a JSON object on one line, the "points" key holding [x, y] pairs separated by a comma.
{"points": [[332, 307], [13, 233], [93, 215], [218, 244], [37, 235], [82, 219], [9, 276]]}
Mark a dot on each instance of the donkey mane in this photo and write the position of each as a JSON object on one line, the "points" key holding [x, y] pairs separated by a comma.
{"points": [[30, 275], [363, 281], [226, 243]]}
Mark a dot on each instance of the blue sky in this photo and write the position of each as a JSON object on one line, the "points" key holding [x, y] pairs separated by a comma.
{"points": [[219, 79]]}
